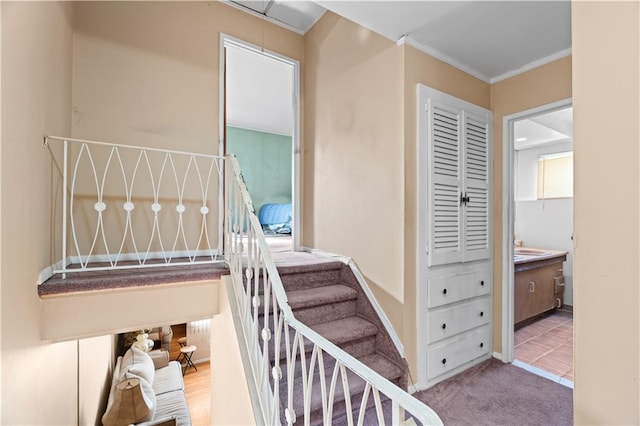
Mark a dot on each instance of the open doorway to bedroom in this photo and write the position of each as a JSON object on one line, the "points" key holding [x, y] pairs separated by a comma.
{"points": [[260, 125]]}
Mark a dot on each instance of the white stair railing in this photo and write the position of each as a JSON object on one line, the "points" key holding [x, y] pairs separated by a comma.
{"points": [[285, 354], [126, 206]]}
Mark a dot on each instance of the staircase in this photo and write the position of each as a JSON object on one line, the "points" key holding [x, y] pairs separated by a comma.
{"points": [[325, 295], [314, 349]]}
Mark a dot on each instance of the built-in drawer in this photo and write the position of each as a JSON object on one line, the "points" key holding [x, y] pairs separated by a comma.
{"points": [[451, 321], [463, 348], [456, 287]]}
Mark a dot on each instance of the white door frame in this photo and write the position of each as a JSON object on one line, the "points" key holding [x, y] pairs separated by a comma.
{"points": [[508, 221], [229, 41]]}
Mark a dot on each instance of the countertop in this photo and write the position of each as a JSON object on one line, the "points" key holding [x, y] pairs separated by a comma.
{"points": [[536, 254]]}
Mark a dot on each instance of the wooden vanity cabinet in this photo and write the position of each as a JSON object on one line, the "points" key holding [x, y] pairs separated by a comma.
{"points": [[536, 284]]}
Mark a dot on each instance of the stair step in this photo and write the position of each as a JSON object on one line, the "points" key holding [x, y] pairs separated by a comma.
{"points": [[375, 361], [300, 299], [297, 262], [299, 270], [346, 330], [354, 335], [321, 304]]}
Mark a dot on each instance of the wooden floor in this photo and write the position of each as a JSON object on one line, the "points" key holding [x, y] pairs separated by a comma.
{"points": [[197, 383]]}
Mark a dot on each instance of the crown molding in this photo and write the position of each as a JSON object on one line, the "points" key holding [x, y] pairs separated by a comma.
{"points": [[491, 80], [441, 56], [535, 64]]}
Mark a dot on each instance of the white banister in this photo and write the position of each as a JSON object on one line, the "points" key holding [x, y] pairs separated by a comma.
{"points": [[267, 321], [128, 207]]}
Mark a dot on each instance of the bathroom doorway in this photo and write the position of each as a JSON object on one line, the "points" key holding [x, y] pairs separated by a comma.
{"points": [[539, 251], [260, 125]]}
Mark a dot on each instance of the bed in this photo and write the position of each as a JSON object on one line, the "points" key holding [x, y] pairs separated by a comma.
{"points": [[275, 218]]}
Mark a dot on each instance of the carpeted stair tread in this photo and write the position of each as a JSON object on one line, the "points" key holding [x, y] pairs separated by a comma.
{"points": [[343, 332], [346, 329], [320, 296], [375, 361], [313, 267], [381, 365], [319, 304], [356, 387], [301, 262]]}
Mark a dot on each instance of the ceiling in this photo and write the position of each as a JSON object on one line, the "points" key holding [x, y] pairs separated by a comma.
{"points": [[491, 40], [552, 127], [295, 15], [261, 101]]}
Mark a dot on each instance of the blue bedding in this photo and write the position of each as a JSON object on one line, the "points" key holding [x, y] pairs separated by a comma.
{"points": [[276, 217]]}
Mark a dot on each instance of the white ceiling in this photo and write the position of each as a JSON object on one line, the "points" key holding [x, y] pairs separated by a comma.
{"points": [[295, 15], [488, 39], [261, 100], [552, 127], [491, 40]]}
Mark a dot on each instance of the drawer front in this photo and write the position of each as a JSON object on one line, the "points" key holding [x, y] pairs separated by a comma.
{"points": [[451, 321], [465, 348], [456, 287]]}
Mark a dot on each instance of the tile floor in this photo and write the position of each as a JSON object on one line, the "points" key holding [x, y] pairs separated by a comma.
{"points": [[547, 344]]}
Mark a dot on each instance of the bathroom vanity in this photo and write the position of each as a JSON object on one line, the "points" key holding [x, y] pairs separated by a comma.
{"points": [[539, 281]]}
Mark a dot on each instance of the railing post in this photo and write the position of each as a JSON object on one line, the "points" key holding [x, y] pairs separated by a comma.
{"points": [[64, 207]]}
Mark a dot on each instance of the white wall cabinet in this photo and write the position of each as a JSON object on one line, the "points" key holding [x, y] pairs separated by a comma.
{"points": [[454, 236]]}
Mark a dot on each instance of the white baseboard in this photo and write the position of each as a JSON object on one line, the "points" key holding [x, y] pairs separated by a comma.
{"points": [[497, 355]]}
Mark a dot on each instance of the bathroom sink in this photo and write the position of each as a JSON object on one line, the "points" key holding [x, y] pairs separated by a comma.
{"points": [[529, 252]]}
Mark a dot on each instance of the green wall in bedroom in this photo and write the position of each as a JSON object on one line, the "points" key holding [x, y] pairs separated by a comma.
{"points": [[265, 162]]}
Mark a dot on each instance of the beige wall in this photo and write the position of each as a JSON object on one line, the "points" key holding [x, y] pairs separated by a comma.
{"points": [[540, 86], [95, 362], [353, 165], [424, 69], [39, 380], [230, 397], [606, 76], [147, 73], [360, 151]]}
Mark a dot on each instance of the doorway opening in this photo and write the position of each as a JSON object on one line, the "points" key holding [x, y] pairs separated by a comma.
{"points": [[538, 241], [259, 124]]}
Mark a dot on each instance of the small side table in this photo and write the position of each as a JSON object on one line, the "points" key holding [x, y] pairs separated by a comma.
{"points": [[187, 353]]}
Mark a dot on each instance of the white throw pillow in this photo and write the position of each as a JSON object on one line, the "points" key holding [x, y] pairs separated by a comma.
{"points": [[138, 363]]}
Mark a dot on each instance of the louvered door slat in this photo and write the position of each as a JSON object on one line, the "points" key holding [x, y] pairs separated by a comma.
{"points": [[445, 227], [459, 166], [476, 167]]}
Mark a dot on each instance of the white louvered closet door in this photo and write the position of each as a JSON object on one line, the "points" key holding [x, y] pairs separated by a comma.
{"points": [[445, 154], [475, 217], [459, 182]]}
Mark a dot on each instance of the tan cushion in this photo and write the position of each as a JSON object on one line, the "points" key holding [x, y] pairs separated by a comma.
{"points": [[124, 411]]}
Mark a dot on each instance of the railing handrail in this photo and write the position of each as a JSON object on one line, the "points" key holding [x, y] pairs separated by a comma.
{"points": [[102, 143], [410, 403], [144, 247]]}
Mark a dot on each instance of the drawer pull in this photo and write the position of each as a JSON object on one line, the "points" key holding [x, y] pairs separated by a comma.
{"points": [[481, 345], [444, 361], [481, 313], [444, 291], [532, 287], [444, 326], [482, 283]]}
